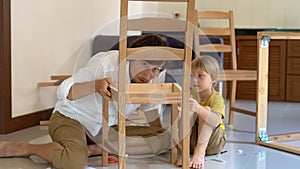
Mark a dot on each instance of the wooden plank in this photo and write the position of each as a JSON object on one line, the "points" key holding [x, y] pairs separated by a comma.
{"points": [[285, 137], [122, 85], [262, 88], [214, 31], [242, 75], [279, 35], [155, 24], [186, 84], [149, 88], [215, 48], [149, 93], [60, 77], [280, 146], [45, 84], [104, 132], [243, 111], [174, 132], [155, 53], [212, 15], [161, 0]]}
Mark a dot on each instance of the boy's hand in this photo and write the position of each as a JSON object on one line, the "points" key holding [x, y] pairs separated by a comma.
{"points": [[194, 105], [102, 87]]}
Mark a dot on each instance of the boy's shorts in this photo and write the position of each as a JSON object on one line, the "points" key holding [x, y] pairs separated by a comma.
{"points": [[216, 141]]}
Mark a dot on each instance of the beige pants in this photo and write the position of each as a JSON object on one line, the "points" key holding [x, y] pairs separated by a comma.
{"points": [[72, 136]]}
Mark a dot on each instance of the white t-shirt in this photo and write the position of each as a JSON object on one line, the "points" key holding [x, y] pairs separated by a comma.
{"points": [[88, 110]]}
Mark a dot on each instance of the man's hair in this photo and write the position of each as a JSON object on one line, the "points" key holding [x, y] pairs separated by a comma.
{"points": [[151, 40], [208, 64]]}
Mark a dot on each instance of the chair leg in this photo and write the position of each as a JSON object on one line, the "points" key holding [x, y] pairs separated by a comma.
{"points": [[104, 132], [232, 101], [174, 133]]}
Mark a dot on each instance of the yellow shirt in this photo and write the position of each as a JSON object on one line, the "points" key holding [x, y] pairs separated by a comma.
{"points": [[216, 103]]}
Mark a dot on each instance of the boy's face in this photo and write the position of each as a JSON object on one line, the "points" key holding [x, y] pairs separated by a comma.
{"points": [[142, 71], [200, 80]]}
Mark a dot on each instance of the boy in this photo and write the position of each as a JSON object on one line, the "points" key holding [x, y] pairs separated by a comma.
{"points": [[207, 109]]}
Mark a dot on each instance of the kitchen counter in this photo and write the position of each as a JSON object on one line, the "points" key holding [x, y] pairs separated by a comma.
{"points": [[253, 31]]}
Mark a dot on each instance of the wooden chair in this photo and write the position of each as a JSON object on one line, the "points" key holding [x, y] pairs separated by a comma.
{"points": [[139, 93], [227, 31]]}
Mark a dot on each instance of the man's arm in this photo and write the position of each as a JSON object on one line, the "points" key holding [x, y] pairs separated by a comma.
{"points": [[79, 90]]}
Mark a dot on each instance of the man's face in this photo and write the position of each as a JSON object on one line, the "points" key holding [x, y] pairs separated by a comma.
{"points": [[142, 71]]}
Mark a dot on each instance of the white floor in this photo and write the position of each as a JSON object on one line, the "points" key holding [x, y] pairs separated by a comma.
{"points": [[241, 152]]}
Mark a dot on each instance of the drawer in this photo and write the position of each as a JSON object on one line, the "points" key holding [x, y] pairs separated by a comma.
{"points": [[292, 88], [293, 66], [293, 48]]}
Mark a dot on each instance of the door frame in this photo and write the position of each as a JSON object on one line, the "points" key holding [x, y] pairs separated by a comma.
{"points": [[7, 123]]}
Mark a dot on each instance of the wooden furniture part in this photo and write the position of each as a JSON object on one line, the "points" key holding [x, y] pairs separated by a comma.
{"points": [[262, 92], [58, 79], [234, 74], [247, 59], [124, 91]]}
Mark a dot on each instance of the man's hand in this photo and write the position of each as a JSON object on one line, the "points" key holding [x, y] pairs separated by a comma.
{"points": [[102, 87]]}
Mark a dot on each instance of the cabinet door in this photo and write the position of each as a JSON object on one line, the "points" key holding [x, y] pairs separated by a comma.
{"points": [[293, 70], [292, 88], [247, 59]]}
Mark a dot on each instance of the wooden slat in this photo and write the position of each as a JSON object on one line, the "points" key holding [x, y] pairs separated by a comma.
{"points": [[213, 15], [44, 84], [280, 146], [215, 48], [104, 132], [59, 77], [243, 75], [280, 35], [122, 85], [165, 93], [285, 137], [174, 132], [157, 24], [161, 0], [146, 88], [155, 53], [243, 111], [214, 31], [262, 88]]}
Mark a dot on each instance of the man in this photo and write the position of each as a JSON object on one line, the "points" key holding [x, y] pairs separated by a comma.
{"points": [[77, 116]]}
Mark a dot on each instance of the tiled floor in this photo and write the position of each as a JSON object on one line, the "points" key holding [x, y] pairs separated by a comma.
{"points": [[241, 151]]}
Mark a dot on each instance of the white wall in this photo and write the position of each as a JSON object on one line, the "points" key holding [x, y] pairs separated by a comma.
{"points": [[249, 13], [47, 37], [53, 37]]}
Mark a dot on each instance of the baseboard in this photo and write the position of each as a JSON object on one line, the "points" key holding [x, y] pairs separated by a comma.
{"points": [[25, 121]]}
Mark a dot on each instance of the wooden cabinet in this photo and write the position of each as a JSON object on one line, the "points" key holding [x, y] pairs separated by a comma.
{"points": [[247, 59], [293, 70]]}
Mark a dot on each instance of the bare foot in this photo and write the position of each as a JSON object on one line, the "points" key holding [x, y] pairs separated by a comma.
{"points": [[94, 150], [197, 162], [179, 163], [198, 158], [13, 149]]}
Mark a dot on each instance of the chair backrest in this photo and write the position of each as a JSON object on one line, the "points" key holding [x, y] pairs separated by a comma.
{"points": [[206, 31]]}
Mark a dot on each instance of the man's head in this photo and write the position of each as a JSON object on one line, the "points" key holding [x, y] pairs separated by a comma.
{"points": [[144, 71]]}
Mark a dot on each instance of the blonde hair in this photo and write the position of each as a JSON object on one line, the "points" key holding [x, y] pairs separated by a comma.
{"points": [[209, 64]]}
